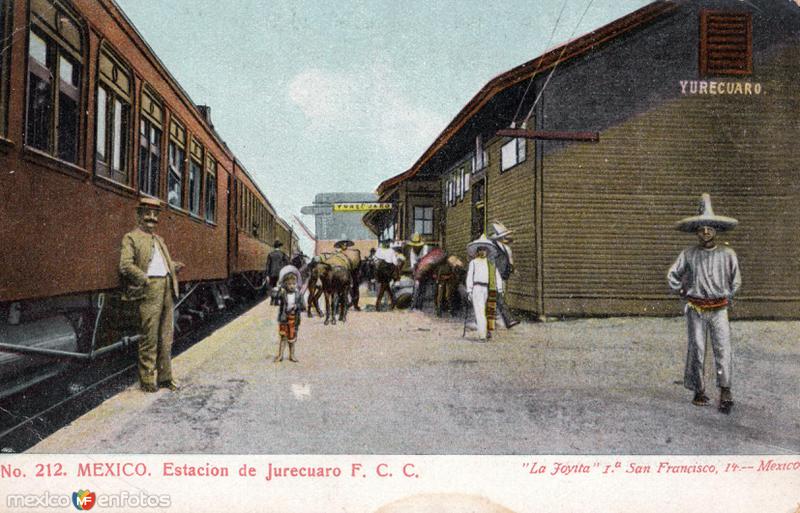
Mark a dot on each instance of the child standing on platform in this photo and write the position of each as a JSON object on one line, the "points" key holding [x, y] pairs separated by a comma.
{"points": [[290, 305]]}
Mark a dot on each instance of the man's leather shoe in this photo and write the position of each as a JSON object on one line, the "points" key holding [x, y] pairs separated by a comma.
{"points": [[700, 399], [512, 324], [148, 388], [171, 384]]}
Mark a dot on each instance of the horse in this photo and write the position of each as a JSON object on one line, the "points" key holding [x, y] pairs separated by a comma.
{"points": [[448, 275], [333, 274], [314, 287], [384, 273], [444, 271], [353, 256]]}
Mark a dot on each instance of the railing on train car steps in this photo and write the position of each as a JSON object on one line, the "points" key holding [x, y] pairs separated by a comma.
{"points": [[91, 355]]}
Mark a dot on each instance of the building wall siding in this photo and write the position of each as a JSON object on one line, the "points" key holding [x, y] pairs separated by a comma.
{"points": [[510, 200], [610, 208], [458, 219]]}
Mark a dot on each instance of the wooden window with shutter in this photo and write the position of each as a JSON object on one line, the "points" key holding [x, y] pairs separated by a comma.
{"points": [[726, 43]]}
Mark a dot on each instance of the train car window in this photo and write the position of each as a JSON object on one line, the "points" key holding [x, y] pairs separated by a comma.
{"points": [[248, 220], [55, 64], [239, 204], [195, 176], [4, 63], [211, 190], [150, 130], [263, 223], [113, 118], [177, 159]]}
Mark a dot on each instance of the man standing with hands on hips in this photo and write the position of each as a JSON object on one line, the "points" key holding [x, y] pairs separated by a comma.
{"points": [[149, 277], [707, 276]]}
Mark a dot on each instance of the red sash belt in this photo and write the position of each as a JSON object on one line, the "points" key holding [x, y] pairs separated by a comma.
{"points": [[708, 304]]}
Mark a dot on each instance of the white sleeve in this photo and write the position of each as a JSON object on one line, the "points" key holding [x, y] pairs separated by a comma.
{"points": [[498, 280], [470, 280], [675, 274], [736, 275]]}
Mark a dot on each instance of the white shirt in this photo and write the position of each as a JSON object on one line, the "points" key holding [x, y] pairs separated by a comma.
{"points": [[387, 255], [157, 267], [291, 299], [478, 272], [706, 273]]}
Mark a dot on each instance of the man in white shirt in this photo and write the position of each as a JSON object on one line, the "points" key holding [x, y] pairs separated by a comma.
{"points": [[417, 250], [149, 276], [707, 276], [483, 284], [386, 267]]}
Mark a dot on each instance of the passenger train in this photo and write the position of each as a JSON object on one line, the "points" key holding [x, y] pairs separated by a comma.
{"points": [[90, 121]]}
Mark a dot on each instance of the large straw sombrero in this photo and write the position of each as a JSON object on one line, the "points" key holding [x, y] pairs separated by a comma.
{"points": [[289, 270], [416, 241], [706, 217], [500, 231], [481, 242]]}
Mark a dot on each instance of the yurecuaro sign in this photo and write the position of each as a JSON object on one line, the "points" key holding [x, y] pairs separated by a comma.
{"points": [[361, 207], [712, 87]]}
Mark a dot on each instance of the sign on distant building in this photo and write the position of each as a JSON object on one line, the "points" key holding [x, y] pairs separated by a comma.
{"points": [[361, 207]]}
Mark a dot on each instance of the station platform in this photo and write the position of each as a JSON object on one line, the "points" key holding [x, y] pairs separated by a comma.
{"points": [[408, 383]]}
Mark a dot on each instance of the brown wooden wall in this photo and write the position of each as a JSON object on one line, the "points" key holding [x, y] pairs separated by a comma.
{"points": [[510, 200], [609, 208], [458, 222]]}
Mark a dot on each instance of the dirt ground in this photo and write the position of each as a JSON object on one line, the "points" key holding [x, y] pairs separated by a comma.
{"points": [[407, 382]]}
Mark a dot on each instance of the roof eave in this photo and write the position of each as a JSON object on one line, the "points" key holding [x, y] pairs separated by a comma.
{"points": [[525, 71]]}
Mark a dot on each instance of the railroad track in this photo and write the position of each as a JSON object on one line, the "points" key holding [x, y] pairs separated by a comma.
{"points": [[30, 416]]}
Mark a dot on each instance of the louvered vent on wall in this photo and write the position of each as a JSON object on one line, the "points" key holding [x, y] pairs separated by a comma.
{"points": [[726, 43]]}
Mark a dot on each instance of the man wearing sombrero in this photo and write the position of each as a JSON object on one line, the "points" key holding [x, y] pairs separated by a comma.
{"points": [[505, 265], [707, 276], [483, 284], [417, 250], [276, 261]]}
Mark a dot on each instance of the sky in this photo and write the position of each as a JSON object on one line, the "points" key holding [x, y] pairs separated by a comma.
{"points": [[324, 96]]}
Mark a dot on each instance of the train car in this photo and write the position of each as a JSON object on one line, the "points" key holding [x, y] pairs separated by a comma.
{"points": [[285, 234], [90, 121], [253, 229]]}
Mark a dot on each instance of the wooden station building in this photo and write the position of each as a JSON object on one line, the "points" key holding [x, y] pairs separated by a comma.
{"points": [[624, 129]]}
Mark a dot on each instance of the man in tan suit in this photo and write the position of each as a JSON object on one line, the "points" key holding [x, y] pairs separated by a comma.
{"points": [[149, 277]]}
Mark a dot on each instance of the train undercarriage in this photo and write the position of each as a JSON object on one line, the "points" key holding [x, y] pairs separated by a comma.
{"points": [[42, 339]]}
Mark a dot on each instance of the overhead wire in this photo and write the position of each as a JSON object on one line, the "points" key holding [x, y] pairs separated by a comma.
{"points": [[550, 75], [536, 70]]}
